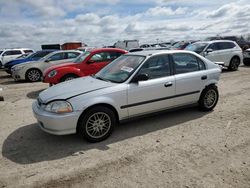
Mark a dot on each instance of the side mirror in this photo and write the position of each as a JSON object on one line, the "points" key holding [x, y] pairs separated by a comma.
{"points": [[140, 77], [90, 61], [47, 60], [209, 50]]}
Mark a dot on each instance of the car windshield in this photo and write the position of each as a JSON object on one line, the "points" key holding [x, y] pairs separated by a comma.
{"points": [[39, 54], [120, 69], [196, 47], [82, 57]]}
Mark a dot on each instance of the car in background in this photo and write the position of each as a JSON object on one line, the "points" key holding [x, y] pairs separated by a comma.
{"points": [[33, 70], [246, 55], [30, 57], [133, 85], [7, 55], [181, 45], [225, 51], [88, 63]]}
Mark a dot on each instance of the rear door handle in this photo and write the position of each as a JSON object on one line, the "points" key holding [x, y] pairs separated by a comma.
{"points": [[168, 84], [204, 77]]}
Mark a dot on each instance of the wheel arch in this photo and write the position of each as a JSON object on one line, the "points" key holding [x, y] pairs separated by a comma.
{"points": [[32, 68], [95, 105]]}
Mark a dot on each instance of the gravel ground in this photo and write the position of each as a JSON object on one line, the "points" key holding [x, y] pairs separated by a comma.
{"points": [[185, 148]]}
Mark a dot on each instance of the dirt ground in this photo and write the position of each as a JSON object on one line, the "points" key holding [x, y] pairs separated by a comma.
{"points": [[185, 148]]}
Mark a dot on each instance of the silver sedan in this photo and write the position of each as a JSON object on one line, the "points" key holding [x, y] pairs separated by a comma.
{"points": [[133, 85]]}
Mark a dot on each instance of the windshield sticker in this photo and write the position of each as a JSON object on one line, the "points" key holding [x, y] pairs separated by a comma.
{"points": [[127, 69]]}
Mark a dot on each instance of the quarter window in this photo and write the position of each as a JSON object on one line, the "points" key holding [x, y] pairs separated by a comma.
{"points": [[156, 67], [185, 63]]}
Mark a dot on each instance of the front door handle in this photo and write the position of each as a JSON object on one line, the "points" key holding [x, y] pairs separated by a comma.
{"points": [[204, 77], [168, 84]]}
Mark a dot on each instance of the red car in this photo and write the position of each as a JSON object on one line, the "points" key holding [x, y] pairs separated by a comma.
{"points": [[88, 63]]}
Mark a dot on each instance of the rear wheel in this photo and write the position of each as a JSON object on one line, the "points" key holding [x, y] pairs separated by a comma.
{"points": [[33, 75], [246, 62], [68, 77], [97, 124], [234, 64], [209, 98]]}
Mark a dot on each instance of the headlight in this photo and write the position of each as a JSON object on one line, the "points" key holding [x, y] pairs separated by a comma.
{"points": [[59, 107], [52, 73]]}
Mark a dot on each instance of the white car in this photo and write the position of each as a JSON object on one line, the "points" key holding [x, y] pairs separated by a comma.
{"points": [[33, 71], [225, 51], [7, 55], [134, 84]]}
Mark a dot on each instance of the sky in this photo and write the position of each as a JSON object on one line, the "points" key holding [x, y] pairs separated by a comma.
{"points": [[30, 23]]}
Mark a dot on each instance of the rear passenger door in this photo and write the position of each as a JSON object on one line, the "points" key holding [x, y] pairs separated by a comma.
{"points": [[190, 77]]}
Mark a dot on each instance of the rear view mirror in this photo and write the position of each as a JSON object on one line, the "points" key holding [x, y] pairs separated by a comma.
{"points": [[209, 50], [140, 77], [90, 61]]}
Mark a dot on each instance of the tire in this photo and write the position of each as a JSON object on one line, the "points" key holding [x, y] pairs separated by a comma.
{"points": [[97, 124], [68, 77], [234, 64], [209, 98], [246, 62], [33, 75], [1, 65]]}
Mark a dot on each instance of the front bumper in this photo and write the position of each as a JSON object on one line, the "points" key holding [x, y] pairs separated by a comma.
{"points": [[57, 124], [17, 75]]}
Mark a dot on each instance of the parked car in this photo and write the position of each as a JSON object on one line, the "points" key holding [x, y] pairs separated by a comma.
{"points": [[33, 71], [10, 54], [127, 44], [225, 51], [31, 57], [243, 43], [134, 84], [181, 45], [88, 63], [246, 59]]}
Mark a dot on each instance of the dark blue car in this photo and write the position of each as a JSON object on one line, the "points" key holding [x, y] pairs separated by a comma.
{"points": [[32, 57]]}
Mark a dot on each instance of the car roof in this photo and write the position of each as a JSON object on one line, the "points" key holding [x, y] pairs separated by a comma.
{"points": [[96, 50], [157, 52], [212, 41]]}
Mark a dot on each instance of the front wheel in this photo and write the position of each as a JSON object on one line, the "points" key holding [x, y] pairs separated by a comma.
{"points": [[68, 77], [234, 64], [97, 124], [209, 98]]}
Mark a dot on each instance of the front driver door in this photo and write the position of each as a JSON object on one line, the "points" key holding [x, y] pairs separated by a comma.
{"points": [[157, 92]]}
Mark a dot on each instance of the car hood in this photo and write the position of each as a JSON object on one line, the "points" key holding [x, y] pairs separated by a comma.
{"points": [[72, 88], [58, 66]]}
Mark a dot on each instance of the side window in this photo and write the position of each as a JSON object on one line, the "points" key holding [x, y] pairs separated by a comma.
{"points": [[7, 53], [28, 51], [201, 64], [114, 55], [185, 63], [102, 56], [57, 57], [214, 46], [71, 55], [226, 45], [16, 52], [156, 67]]}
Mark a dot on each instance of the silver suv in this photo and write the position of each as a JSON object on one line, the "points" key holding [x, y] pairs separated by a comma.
{"points": [[225, 51]]}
